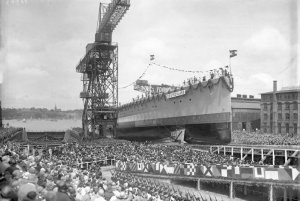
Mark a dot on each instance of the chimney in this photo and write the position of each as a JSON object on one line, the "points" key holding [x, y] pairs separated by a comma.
{"points": [[239, 96], [274, 86], [244, 96]]}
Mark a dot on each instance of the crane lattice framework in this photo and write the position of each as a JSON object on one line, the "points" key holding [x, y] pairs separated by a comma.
{"points": [[99, 68]]}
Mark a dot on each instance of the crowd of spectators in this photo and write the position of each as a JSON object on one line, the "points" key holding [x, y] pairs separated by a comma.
{"points": [[56, 175], [141, 152], [255, 138]]}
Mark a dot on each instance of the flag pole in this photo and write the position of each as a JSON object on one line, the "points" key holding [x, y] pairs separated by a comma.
{"points": [[230, 64], [232, 53]]}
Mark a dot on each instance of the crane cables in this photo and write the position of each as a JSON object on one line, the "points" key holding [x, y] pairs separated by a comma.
{"points": [[142, 75]]}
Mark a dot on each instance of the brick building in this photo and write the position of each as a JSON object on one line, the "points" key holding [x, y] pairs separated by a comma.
{"points": [[245, 113], [280, 111]]}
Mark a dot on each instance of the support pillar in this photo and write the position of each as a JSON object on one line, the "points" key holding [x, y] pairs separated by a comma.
{"points": [[291, 194], [245, 190], [198, 185], [273, 157], [284, 195], [231, 190], [285, 156], [271, 198], [241, 153]]}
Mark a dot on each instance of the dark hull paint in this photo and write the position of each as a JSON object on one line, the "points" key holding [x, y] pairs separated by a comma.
{"points": [[218, 133]]}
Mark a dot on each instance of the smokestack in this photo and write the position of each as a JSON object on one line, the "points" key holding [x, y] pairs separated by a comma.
{"points": [[274, 86]]}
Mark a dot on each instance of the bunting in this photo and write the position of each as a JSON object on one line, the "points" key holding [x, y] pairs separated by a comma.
{"points": [[282, 173]]}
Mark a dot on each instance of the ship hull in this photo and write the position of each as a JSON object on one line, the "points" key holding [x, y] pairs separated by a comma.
{"points": [[195, 132], [203, 111]]}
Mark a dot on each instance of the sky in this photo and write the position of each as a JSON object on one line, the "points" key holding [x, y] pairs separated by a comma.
{"points": [[42, 41]]}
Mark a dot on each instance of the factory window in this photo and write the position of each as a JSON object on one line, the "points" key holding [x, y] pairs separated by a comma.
{"points": [[279, 128], [287, 116], [295, 117], [265, 106], [295, 106], [287, 106], [265, 116], [265, 127], [243, 125], [287, 129], [279, 116], [279, 106]]}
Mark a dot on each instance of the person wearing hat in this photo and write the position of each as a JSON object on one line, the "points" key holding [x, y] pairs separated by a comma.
{"points": [[27, 192], [7, 193], [120, 196]]}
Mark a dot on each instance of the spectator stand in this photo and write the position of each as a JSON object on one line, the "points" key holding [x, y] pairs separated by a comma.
{"points": [[267, 177], [7, 134], [261, 155], [232, 185]]}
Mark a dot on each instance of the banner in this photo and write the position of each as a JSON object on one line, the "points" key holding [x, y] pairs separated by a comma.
{"points": [[281, 173]]}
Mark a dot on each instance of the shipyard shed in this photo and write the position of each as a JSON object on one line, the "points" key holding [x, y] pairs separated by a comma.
{"points": [[245, 112]]}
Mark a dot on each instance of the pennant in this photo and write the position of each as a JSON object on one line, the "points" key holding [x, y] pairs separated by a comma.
{"points": [[189, 169], [152, 57], [233, 53], [285, 174], [206, 171], [271, 174], [259, 172], [246, 172], [140, 166], [132, 166], [177, 169], [295, 174]]}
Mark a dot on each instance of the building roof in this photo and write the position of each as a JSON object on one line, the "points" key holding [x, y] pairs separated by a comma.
{"points": [[283, 91], [245, 103]]}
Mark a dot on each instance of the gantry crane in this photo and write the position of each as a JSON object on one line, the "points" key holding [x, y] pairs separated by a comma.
{"points": [[99, 68]]}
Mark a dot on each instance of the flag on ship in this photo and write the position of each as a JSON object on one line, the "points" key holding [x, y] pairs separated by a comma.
{"points": [[232, 53], [152, 57]]}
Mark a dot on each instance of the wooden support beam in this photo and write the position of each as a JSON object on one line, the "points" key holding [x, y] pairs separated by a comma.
{"points": [[271, 198], [231, 190], [198, 185]]}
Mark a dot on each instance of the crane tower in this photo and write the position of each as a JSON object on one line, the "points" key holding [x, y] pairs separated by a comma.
{"points": [[99, 74]]}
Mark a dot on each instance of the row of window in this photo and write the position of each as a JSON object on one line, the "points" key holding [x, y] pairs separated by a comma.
{"points": [[287, 116], [281, 130], [287, 96], [287, 128], [288, 106]]}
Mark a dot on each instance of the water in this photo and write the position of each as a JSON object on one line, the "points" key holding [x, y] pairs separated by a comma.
{"points": [[44, 125]]}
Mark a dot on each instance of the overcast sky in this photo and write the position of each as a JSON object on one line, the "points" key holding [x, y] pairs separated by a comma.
{"points": [[43, 40]]}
